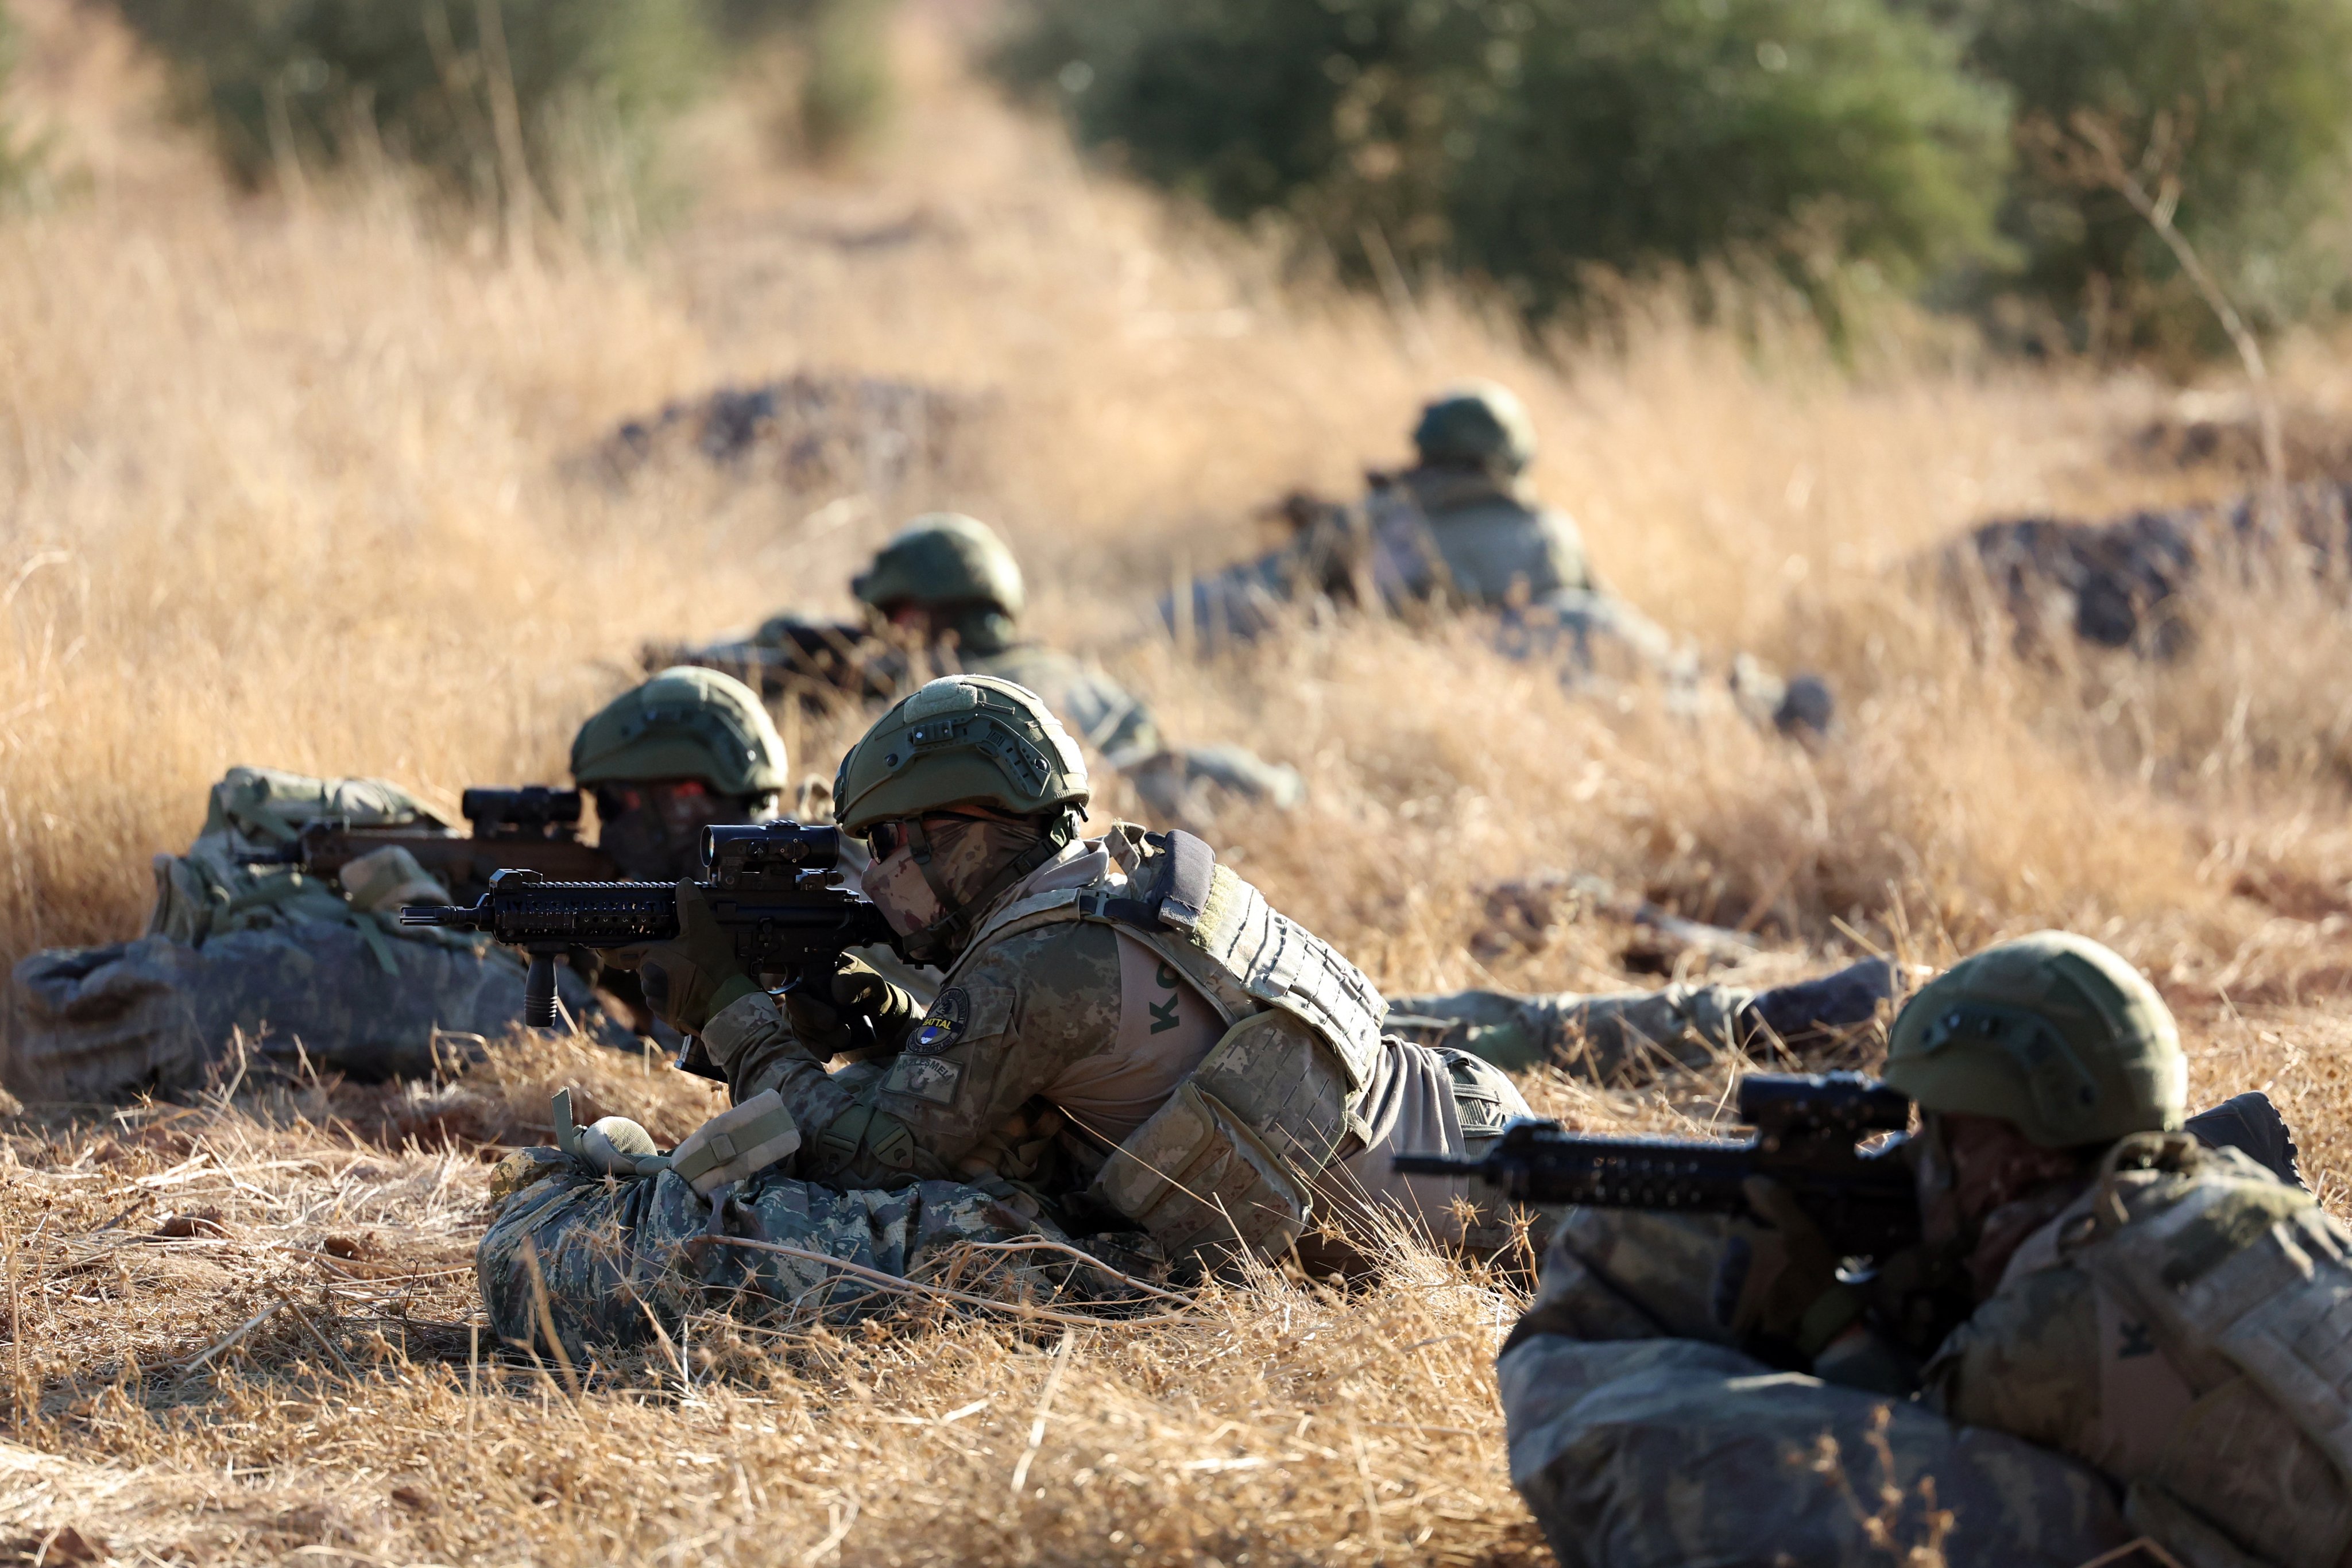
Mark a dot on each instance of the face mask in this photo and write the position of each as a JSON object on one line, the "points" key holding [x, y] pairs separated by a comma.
{"points": [[656, 831], [895, 884], [1941, 1222]]}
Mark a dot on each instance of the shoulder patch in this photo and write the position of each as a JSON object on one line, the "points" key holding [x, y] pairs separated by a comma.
{"points": [[936, 1081], [949, 1018]]}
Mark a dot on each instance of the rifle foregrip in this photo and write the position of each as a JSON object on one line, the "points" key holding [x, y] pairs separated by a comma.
{"points": [[538, 1008]]}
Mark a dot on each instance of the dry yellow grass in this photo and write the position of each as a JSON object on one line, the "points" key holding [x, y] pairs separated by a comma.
{"points": [[294, 486]]}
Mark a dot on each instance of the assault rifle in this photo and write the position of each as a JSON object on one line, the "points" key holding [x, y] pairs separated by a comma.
{"points": [[1809, 1132], [816, 663], [775, 886], [530, 829]]}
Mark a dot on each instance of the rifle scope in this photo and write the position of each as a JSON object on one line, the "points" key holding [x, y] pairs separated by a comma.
{"points": [[732, 850], [532, 811]]}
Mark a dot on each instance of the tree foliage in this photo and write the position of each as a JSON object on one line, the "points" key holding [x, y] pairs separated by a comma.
{"points": [[429, 81], [2246, 105], [1529, 140]]}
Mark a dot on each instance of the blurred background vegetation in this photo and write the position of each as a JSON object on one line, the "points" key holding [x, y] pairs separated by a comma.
{"points": [[1915, 150], [22, 158], [1532, 141], [504, 102]]}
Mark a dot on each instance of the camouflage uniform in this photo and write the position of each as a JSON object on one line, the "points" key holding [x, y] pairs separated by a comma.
{"points": [[959, 574], [2159, 1356], [238, 942], [235, 944], [1463, 527], [991, 1087], [1130, 1048], [2180, 1327], [1638, 1436], [1602, 1036], [615, 1257]]}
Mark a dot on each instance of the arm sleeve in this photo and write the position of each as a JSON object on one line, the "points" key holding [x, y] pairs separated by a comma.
{"points": [[1567, 549], [1109, 718], [1015, 1019], [2025, 1362]]}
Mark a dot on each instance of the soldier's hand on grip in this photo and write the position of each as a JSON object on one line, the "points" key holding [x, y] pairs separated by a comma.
{"points": [[694, 973], [824, 1018], [1784, 1284]]}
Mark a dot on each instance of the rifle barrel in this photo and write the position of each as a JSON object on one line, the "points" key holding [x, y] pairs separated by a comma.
{"points": [[1438, 1166]]}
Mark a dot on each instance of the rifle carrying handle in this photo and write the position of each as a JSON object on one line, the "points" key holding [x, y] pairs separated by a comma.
{"points": [[538, 1007]]}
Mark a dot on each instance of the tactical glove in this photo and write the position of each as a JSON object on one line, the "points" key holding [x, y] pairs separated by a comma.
{"points": [[1784, 1285], [826, 1017], [695, 974]]}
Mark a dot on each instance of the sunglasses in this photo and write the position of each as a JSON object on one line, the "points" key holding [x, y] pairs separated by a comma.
{"points": [[885, 839]]}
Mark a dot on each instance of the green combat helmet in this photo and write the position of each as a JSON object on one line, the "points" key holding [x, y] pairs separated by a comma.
{"points": [[685, 723], [1478, 424], [961, 740], [944, 560], [2052, 1032]]}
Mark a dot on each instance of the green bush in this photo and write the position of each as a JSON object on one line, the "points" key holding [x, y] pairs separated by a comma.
{"points": [[21, 160], [2261, 92], [1528, 141], [843, 90], [323, 81]]}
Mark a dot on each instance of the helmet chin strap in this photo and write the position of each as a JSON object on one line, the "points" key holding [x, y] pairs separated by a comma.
{"points": [[945, 937]]}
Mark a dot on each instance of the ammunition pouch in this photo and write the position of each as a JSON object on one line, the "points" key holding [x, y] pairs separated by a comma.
{"points": [[1204, 1184], [1225, 1165]]}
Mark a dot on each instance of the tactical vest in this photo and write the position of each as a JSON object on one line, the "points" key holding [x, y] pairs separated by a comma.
{"points": [[1467, 538], [1225, 1165], [2244, 1285]]}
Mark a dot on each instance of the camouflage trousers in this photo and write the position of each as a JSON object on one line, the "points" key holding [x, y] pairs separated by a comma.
{"points": [[1639, 1438], [603, 1259], [1597, 1036], [1187, 785], [1592, 1035], [91, 1023]]}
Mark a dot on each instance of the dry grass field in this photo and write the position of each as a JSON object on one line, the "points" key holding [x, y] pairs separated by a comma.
{"points": [[303, 482]]}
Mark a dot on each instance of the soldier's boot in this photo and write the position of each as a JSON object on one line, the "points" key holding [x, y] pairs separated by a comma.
{"points": [[1811, 1011]]}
